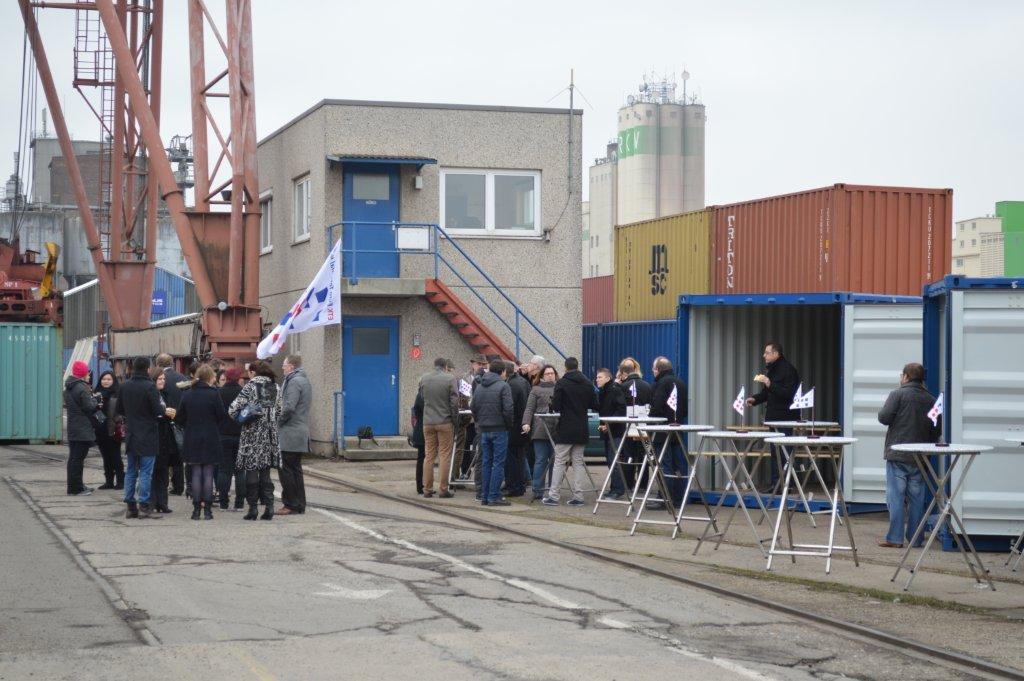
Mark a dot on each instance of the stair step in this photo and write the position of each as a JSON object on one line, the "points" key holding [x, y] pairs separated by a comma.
{"points": [[450, 314], [440, 303], [461, 325], [478, 346], [469, 335], [431, 294]]}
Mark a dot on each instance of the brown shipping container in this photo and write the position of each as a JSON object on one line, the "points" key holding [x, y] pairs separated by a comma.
{"points": [[598, 300], [883, 240], [657, 260]]}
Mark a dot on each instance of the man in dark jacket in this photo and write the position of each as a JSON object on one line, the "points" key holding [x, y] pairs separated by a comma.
{"points": [[780, 382], [668, 400], [172, 388], [906, 414], [492, 414], [230, 431], [465, 434], [140, 405], [515, 464], [574, 397], [632, 451], [81, 407], [611, 402]]}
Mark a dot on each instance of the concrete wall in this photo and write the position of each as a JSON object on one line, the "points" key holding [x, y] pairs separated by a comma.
{"points": [[541, 275], [967, 245], [601, 251], [44, 150]]}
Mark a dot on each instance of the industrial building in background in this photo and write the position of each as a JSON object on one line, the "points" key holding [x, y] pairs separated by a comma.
{"points": [[654, 167], [992, 245]]}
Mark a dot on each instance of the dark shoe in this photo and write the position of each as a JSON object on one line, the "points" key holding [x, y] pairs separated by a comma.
{"points": [[239, 504], [251, 515], [537, 496], [446, 494], [574, 502], [86, 491], [500, 502], [119, 485], [886, 544], [268, 513], [195, 512], [207, 513], [548, 501], [106, 485], [428, 494], [145, 511], [223, 505], [132, 511], [164, 510], [516, 493]]}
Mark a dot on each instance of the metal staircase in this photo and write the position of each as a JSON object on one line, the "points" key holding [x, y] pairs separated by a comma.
{"points": [[462, 319]]}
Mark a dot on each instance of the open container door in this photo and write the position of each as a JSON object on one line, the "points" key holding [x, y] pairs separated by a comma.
{"points": [[878, 339]]}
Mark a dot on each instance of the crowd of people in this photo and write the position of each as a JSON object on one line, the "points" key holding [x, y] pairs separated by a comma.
{"points": [[192, 435], [491, 419]]}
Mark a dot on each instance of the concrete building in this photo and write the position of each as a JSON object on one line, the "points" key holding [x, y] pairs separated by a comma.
{"points": [[978, 247], [653, 169], [45, 150], [494, 178]]}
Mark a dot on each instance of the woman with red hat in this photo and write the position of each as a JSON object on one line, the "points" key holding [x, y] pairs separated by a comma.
{"points": [[81, 408]]}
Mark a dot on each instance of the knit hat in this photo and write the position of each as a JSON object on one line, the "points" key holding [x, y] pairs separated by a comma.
{"points": [[79, 369]]}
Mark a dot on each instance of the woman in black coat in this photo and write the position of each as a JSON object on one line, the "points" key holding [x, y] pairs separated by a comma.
{"points": [[201, 413], [167, 455], [417, 440], [106, 394], [229, 434]]}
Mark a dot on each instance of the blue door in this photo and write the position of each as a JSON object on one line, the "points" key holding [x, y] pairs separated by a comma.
{"points": [[370, 374], [370, 196]]}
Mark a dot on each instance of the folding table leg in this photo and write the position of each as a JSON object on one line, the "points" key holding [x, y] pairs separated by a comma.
{"points": [[782, 509]]}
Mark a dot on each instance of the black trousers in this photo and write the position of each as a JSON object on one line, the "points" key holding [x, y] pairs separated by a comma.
{"points": [[515, 482], [113, 465], [202, 484], [77, 451], [633, 451], [161, 470], [421, 454], [259, 488], [178, 479], [293, 486], [226, 471]]}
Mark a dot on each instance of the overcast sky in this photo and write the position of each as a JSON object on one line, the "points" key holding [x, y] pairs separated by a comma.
{"points": [[799, 94]]}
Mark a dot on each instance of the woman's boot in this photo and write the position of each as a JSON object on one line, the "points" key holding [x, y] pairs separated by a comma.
{"points": [[253, 512], [207, 513], [195, 511], [268, 512]]}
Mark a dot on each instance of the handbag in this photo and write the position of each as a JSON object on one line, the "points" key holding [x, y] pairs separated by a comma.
{"points": [[179, 436], [252, 410], [120, 430]]}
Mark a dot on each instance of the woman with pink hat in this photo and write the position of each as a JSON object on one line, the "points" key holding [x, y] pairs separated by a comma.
{"points": [[81, 408]]}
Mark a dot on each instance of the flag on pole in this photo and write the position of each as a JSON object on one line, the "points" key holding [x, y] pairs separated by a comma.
{"points": [[319, 305], [673, 398], [803, 400], [936, 410], [465, 389], [632, 389], [739, 405]]}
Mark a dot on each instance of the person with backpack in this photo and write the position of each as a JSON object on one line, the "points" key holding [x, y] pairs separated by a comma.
{"points": [[256, 409]]}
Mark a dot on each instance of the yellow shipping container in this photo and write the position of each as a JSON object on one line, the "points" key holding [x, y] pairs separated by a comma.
{"points": [[657, 260]]}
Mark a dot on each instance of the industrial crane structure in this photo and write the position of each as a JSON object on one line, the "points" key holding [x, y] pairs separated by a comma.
{"points": [[118, 63]]}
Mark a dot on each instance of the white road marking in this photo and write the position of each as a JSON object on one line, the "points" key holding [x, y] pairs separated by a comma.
{"points": [[674, 644], [336, 591]]}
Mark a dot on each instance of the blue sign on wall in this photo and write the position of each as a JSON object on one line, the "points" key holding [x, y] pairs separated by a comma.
{"points": [[159, 302]]}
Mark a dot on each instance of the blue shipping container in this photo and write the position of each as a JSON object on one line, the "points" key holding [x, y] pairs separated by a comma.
{"points": [[605, 345]]}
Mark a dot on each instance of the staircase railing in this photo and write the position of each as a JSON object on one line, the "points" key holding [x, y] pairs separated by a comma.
{"points": [[413, 244]]}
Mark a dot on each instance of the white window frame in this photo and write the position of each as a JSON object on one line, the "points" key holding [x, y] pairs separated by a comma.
{"points": [[489, 230], [267, 214], [303, 184]]}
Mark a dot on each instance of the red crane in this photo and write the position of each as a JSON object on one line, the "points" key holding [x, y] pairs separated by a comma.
{"points": [[118, 53]]}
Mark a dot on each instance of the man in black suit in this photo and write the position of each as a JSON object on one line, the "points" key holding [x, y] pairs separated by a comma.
{"points": [[141, 406]]}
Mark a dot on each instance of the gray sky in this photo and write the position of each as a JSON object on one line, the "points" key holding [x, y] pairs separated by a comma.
{"points": [[799, 94]]}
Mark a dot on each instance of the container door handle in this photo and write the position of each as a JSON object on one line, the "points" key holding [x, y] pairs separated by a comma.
{"points": [[392, 379]]}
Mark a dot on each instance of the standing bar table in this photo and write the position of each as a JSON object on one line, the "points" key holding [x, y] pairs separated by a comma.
{"points": [[546, 419], [672, 431], [725, 445], [617, 463], [1015, 547], [799, 428], [452, 480], [813, 448], [937, 484]]}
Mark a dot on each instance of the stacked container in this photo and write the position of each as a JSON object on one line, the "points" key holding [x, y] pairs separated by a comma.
{"points": [[30, 382], [883, 240], [657, 260], [599, 300]]}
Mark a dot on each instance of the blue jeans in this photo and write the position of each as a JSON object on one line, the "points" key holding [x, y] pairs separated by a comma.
{"points": [[543, 454], [674, 463], [493, 448], [904, 483], [140, 470], [617, 485]]}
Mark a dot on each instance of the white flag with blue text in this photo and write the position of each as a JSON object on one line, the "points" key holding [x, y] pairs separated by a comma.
{"points": [[803, 400], [936, 411], [319, 305]]}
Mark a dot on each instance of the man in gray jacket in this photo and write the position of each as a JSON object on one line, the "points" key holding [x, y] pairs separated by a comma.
{"points": [[293, 434], [492, 414], [906, 414], [440, 391]]}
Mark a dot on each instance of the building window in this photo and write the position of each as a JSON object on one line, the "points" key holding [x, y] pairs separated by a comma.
{"points": [[974, 242], [961, 243], [491, 202], [597, 240], [959, 262], [303, 209], [266, 204]]}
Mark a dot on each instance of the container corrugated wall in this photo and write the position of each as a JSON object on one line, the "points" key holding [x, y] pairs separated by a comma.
{"points": [[605, 345], [883, 240], [599, 300], [30, 382], [658, 260]]}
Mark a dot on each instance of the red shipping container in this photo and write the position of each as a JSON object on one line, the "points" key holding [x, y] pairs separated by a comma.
{"points": [[599, 300], [863, 239]]}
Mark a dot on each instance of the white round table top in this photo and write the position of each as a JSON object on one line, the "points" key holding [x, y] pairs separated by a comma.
{"points": [[932, 448], [800, 424], [549, 414], [803, 440], [465, 412], [675, 428], [741, 434], [634, 419]]}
